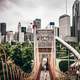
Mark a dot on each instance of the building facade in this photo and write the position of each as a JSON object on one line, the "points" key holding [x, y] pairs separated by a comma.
{"points": [[23, 29], [3, 31], [28, 36], [21, 37], [37, 22], [16, 36], [20, 33], [76, 19], [64, 26], [3, 28], [57, 31], [9, 36]]}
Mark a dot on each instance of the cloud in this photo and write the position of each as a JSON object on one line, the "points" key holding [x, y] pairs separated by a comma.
{"points": [[25, 3], [51, 4], [2, 4], [32, 4], [11, 11]]}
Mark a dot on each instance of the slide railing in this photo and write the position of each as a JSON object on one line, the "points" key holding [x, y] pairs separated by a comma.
{"points": [[37, 74], [74, 51], [51, 72]]}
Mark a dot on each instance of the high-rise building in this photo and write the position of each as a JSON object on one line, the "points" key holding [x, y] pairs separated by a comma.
{"points": [[37, 22], [29, 29], [9, 36], [64, 26], [3, 31], [76, 19], [0, 33], [0, 37], [3, 28], [16, 36], [28, 36], [19, 27], [21, 37], [20, 33], [23, 29], [57, 31]]}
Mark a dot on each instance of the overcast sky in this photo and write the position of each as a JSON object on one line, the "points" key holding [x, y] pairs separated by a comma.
{"points": [[13, 11]]}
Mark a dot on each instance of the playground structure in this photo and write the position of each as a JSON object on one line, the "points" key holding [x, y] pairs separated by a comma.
{"points": [[45, 45], [44, 48]]}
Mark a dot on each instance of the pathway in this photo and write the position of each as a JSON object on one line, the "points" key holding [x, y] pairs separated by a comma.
{"points": [[44, 75]]}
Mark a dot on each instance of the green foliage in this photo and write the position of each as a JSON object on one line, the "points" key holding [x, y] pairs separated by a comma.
{"points": [[27, 59], [78, 47], [63, 65], [60, 50], [7, 48], [21, 54], [17, 56]]}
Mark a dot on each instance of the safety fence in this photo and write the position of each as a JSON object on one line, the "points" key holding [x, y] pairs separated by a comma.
{"points": [[9, 71]]}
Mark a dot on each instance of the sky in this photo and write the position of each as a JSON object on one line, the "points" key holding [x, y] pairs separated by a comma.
{"points": [[25, 11]]}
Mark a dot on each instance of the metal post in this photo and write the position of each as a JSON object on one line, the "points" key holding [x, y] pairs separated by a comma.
{"points": [[3, 70], [7, 71], [10, 73], [5, 64]]}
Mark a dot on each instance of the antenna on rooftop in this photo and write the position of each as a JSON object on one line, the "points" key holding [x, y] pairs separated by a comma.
{"points": [[66, 6]]}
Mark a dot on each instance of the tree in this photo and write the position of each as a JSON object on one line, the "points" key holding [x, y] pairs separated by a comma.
{"points": [[17, 56], [7, 48], [27, 59], [21, 54]]}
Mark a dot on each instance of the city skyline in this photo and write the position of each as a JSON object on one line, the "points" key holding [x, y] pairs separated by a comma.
{"points": [[12, 11]]}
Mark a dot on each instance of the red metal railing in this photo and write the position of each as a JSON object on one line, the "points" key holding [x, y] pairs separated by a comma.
{"points": [[38, 72], [51, 72], [37, 75]]}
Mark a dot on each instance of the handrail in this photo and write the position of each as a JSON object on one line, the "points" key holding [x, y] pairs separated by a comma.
{"points": [[75, 52], [37, 74], [51, 72]]}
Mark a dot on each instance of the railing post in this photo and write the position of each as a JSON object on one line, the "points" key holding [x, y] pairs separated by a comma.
{"points": [[3, 70]]}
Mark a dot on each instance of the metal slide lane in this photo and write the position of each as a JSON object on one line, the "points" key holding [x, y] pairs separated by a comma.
{"points": [[75, 52]]}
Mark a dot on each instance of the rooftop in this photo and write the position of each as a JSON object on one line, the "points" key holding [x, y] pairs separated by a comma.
{"points": [[65, 15]]}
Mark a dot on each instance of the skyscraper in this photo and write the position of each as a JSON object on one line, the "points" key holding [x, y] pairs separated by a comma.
{"points": [[20, 34], [3, 32], [23, 29], [76, 19], [3, 28], [64, 26], [19, 27], [16, 36], [38, 23], [9, 36]]}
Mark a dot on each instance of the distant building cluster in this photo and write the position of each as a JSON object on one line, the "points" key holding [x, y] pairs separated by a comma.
{"points": [[22, 35], [66, 31]]}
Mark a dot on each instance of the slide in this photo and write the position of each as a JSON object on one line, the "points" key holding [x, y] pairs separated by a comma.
{"points": [[75, 52]]}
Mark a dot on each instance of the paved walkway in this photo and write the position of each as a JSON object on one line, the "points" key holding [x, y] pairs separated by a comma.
{"points": [[44, 75]]}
